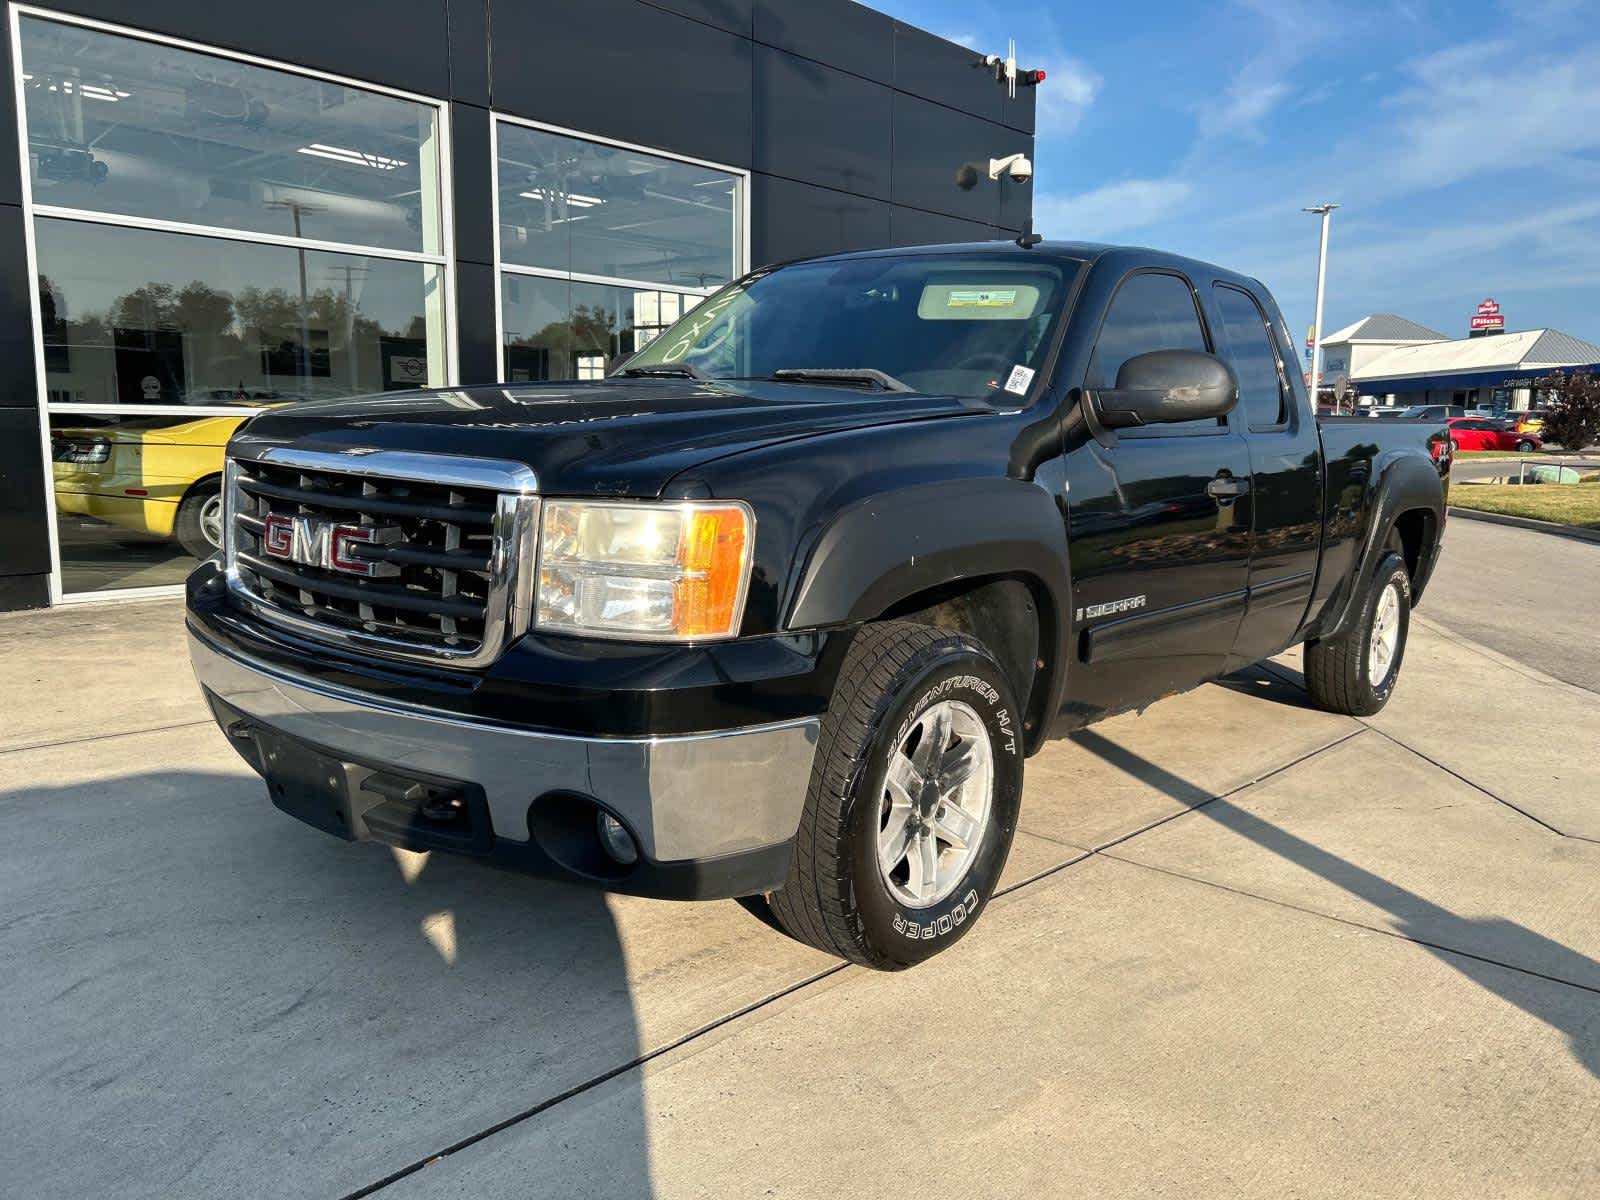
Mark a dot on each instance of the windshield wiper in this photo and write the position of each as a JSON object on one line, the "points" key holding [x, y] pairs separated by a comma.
{"points": [[843, 377], [666, 370]]}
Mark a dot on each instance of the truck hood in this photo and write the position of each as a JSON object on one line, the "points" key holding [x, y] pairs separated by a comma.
{"points": [[622, 437]]}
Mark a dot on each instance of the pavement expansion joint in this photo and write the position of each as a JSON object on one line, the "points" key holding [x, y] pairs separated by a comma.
{"points": [[1354, 924], [1045, 837], [1273, 669], [1501, 660], [1234, 791], [1082, 856], [104, 737], [593, 1082]]}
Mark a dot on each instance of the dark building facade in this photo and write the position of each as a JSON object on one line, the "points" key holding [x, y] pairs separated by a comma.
{"points": [[207, 208]]}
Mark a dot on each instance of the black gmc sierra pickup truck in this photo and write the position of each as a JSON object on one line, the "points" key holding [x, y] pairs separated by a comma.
{"points": [[778, 608]]}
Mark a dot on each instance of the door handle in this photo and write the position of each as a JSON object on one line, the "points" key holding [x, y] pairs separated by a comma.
{"points": [[1225, 489]]}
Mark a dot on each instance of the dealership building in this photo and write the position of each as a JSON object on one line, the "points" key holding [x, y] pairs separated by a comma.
{"points": [[208, 209], [1387, 359]]}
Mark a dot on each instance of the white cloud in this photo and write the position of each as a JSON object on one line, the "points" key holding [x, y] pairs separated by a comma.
{"points": [[1249, 102], [1377, 269], [1285, 33], [1069, 88], [1454, 121], [969, 40], [1130, 204]]}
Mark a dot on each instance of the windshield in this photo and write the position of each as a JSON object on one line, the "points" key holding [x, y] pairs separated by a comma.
{"points": [[975, 326]]}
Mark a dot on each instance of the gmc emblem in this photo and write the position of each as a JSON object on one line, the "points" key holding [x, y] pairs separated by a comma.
{"points": [[314, 543]]}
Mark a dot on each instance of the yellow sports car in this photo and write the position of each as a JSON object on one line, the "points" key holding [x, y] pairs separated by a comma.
{"points": [[148, 475], [1531, 421]]}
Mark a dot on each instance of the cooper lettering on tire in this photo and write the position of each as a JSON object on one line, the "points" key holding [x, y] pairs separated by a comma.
{"points": [[913, 799]]}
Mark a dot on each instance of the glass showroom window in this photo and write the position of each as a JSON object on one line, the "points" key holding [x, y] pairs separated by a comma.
{"points": [[602, 247], [211, 236]]}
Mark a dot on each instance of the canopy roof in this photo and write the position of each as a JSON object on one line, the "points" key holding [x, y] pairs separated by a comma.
{"points": [[1384, 327], [1475, 362]]}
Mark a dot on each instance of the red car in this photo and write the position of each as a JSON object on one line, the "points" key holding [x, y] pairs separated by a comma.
{"points": [[1480, 433]]}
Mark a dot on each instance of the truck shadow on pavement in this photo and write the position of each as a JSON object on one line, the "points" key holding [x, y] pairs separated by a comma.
{"points": [[205, 991], [1476, 947]]}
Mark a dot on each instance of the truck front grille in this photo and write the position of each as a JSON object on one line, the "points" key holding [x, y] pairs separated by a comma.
{"points": [[415, 556]]}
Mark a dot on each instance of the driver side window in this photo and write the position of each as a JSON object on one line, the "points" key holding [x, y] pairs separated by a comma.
{"points": [[1151, 311]]}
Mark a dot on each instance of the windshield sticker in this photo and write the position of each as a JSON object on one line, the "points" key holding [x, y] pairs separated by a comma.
{"points": [[964, 302], [1021, 377], [992, 298]]}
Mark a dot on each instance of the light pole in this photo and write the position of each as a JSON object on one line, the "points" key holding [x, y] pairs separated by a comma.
{"points": [[1323, 211], [296, 208]]}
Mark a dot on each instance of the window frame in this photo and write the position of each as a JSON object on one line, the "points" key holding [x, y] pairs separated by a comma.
{"points": [[1143, 433], [741, 237], [443, 262], [1286, 397]]}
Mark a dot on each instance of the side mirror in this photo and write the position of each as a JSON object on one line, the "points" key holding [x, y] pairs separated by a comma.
{"points": [[1168, 385]]}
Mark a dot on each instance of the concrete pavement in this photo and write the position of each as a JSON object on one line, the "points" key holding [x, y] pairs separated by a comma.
{"points": [[1246, 948], [1528, 595]]}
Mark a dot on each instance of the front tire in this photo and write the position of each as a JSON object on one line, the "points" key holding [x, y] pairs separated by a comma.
{"points": [[1525, 447], [913, 800], [1355, 673]]}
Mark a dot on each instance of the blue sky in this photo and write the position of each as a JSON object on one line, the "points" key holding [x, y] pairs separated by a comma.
{"points": [[1462, 139]]}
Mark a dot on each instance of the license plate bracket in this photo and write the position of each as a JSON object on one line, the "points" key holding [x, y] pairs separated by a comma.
{"points": [[309, 786]]}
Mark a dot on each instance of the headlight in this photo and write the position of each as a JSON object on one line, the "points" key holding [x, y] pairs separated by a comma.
{"points": [[654, 572]]}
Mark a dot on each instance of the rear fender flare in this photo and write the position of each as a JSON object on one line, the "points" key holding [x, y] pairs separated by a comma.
{"points": [[1401, 481]]}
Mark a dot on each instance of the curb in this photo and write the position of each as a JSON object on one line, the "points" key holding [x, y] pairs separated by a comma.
{"points": [[1566, 531]]}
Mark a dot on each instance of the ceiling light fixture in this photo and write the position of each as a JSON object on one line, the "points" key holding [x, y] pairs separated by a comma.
{"points": [[357, 158], [575, 199], [88, 91]]}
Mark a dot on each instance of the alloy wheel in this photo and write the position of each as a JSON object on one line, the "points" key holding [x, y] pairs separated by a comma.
{"points": [[1385, 640], [935, 805], [211, 520]]}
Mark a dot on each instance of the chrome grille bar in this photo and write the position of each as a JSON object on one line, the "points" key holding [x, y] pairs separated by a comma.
{"points": [[436, 553]]}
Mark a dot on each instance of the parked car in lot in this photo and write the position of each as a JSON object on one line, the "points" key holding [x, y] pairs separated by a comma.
{"points": [[1480, 433], [779, 607], [1530, 421], [1433, 412]]}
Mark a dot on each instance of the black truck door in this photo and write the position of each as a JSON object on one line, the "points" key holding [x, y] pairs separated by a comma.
{"points": [[1285, 502], [1158, 549]]}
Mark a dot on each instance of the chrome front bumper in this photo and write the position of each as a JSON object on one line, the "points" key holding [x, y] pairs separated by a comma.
{"points": [[693, 797]]}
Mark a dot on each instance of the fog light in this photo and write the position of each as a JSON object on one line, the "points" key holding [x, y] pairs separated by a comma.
{"points": [[617, 841]]}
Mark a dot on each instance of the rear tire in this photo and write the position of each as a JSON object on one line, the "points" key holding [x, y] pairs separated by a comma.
{"points": [[903, 838], [198, 525], [1355, 672]]}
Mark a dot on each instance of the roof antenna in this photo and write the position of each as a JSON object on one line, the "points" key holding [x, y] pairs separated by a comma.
{"points": [[1028, 239]]}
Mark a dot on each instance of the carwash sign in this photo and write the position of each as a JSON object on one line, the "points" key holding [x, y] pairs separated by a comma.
{"points": [[1488, 318]]}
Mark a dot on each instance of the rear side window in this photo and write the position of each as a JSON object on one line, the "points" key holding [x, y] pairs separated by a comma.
{"points": [[1150, 311], [1248, 346]]}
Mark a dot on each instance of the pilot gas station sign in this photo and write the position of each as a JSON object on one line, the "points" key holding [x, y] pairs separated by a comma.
{"points": [[1488, 318]]}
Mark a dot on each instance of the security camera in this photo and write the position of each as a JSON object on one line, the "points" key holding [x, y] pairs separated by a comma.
{"points": [[1015, 166]]}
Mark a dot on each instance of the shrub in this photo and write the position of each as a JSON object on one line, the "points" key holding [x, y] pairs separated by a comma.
{"points": [[1574, 417]]}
